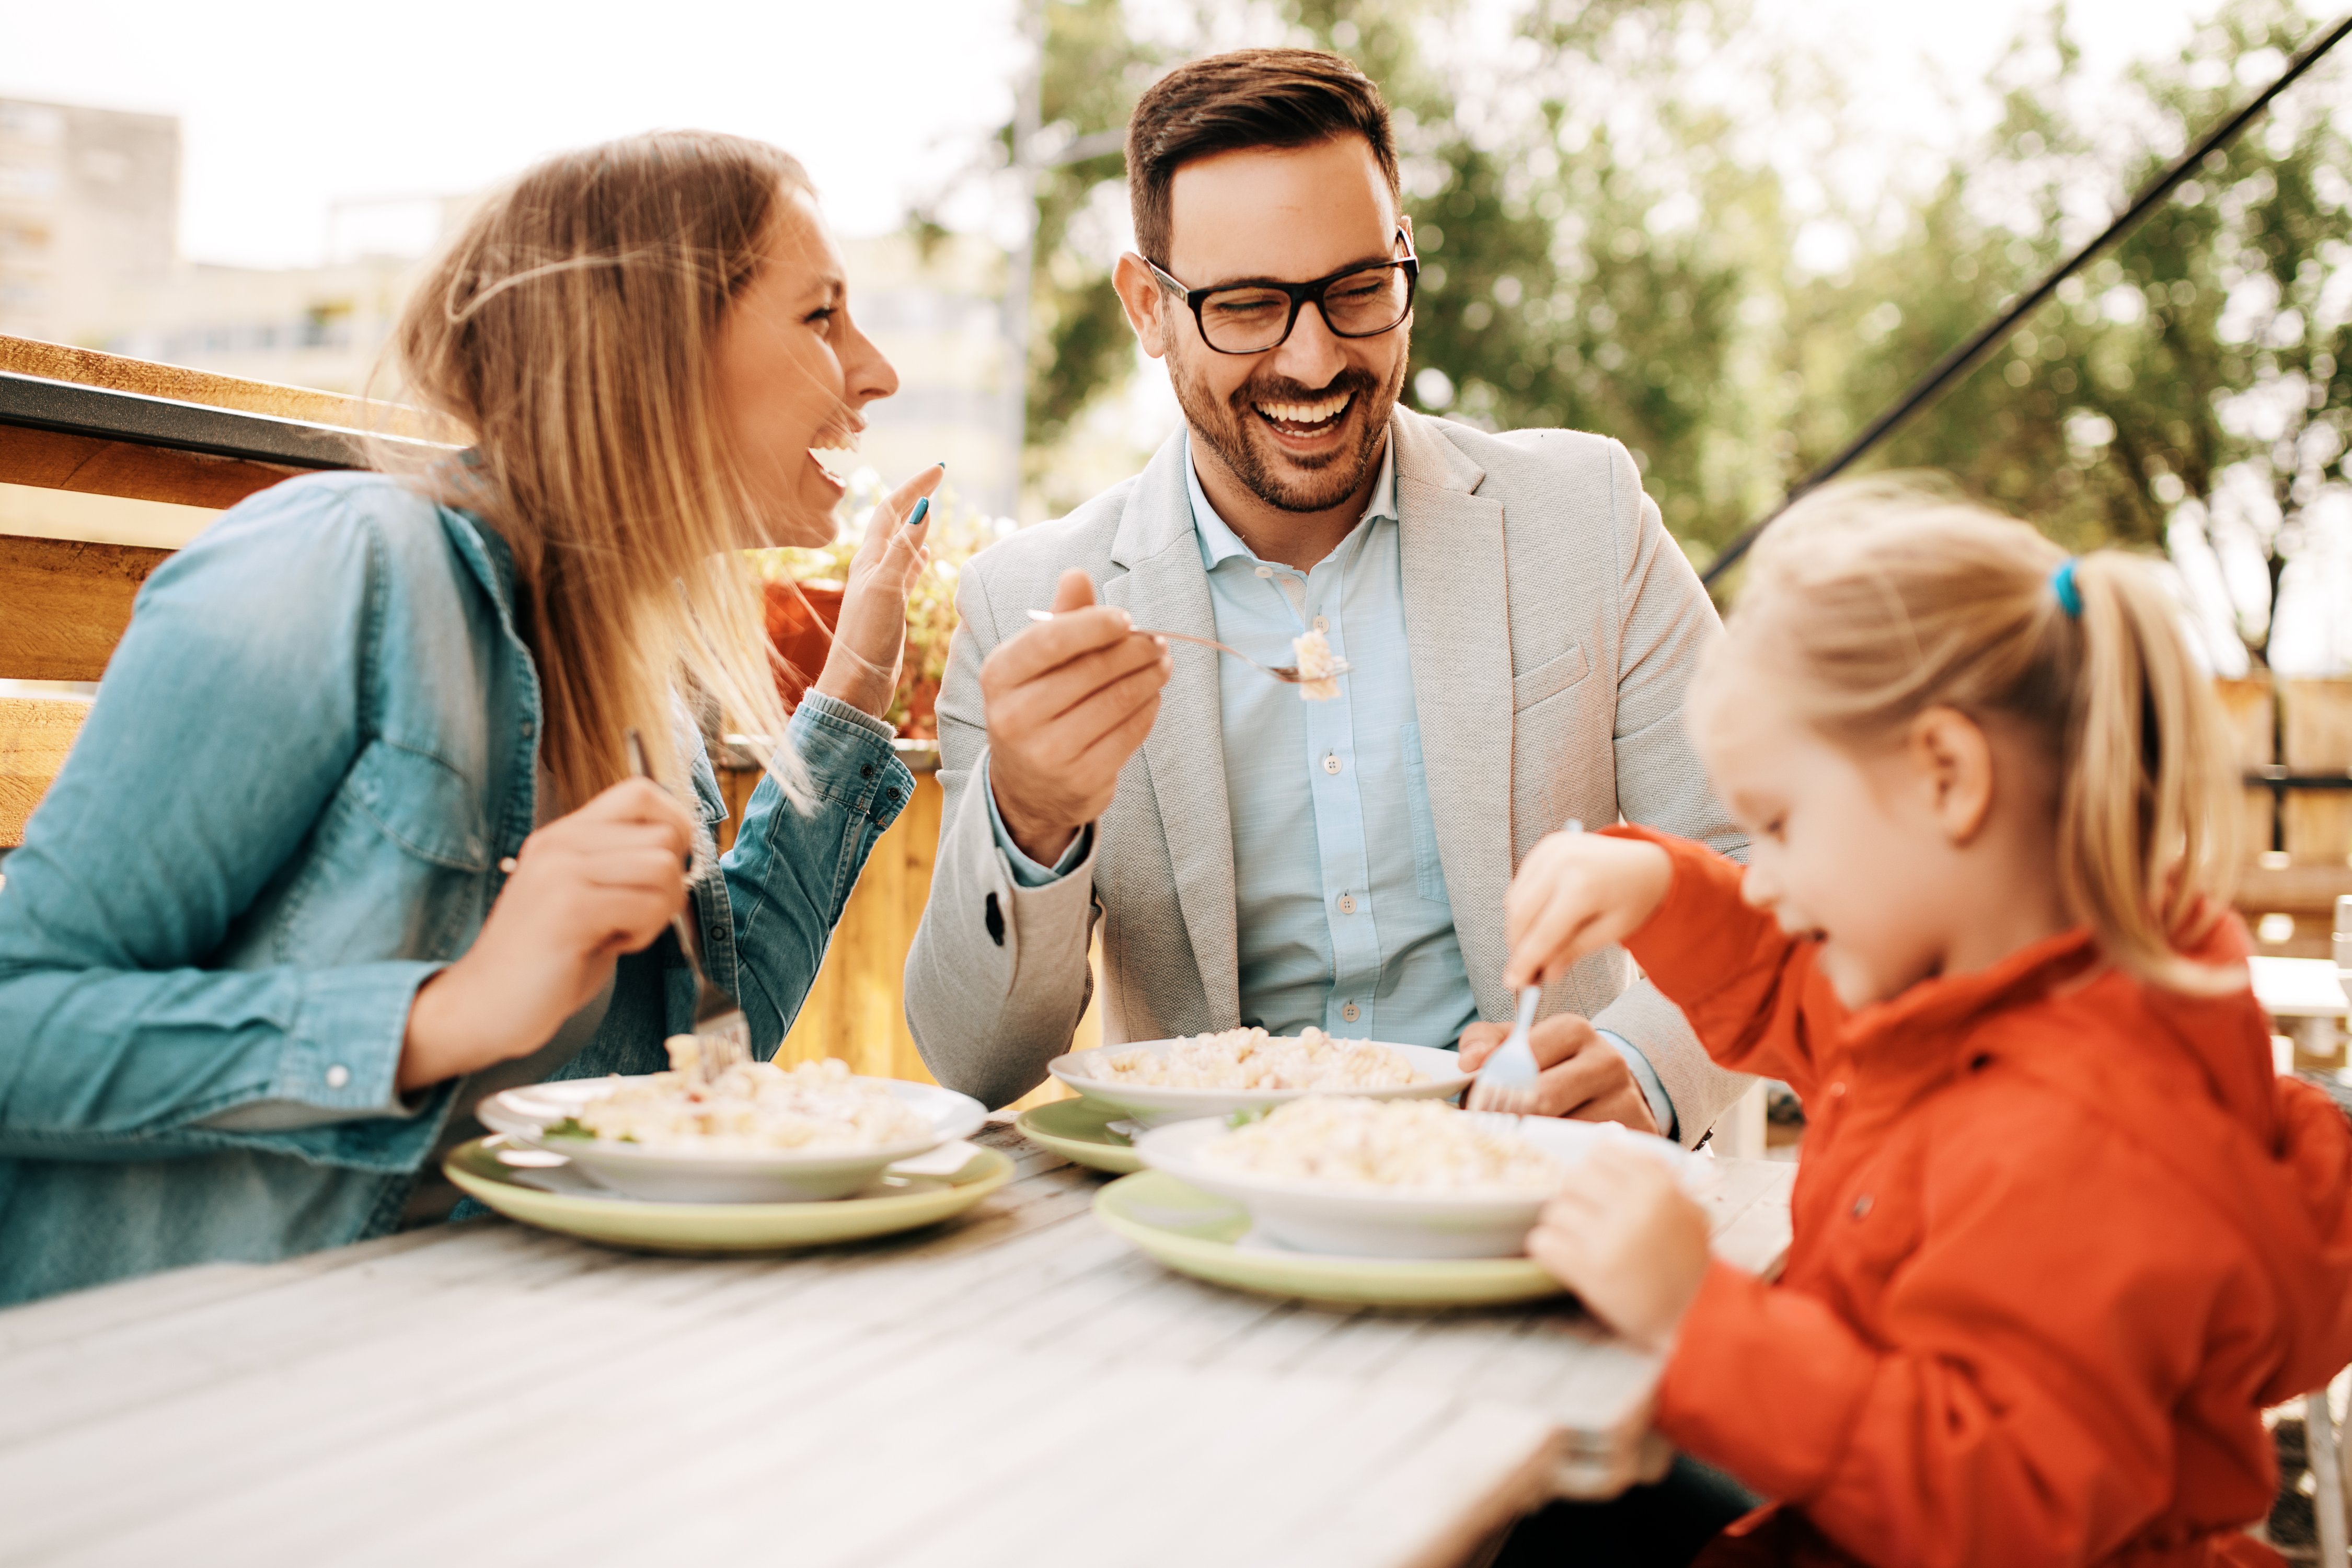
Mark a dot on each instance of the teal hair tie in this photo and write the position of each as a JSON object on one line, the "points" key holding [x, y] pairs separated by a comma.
{"points": [[2061, 582]]}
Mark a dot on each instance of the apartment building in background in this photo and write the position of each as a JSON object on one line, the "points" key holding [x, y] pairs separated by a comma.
{"points": [[88, 202]]}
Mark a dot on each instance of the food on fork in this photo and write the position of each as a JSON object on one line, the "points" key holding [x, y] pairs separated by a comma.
{"points": [[751, 1108], [1317, 678], [1252, 1058], [1423, 1145]]}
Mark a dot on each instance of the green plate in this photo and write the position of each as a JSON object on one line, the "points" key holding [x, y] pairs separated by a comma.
{"points": [[1194, 1232], [909, 1202], [1079, 1131]]}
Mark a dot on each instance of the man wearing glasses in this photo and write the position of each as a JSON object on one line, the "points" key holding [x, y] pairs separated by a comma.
{"points": [[1519, 629]]}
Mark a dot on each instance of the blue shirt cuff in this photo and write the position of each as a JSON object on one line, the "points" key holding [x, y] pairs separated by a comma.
{"points": [[1025, 872], [834, 707], [1661, 1106]]}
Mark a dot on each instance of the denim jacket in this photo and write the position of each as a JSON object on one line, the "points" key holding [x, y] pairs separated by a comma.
{"points": [[311, 751]]}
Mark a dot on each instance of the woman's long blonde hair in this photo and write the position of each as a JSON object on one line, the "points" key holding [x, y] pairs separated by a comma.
{"points": [[570, 334], [1885, 597]]}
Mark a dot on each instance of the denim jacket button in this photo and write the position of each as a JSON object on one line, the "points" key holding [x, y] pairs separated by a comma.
{"points": [[338, 1076]]}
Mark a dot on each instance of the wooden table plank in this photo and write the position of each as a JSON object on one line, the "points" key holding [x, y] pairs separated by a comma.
{"points": [[1020, 1385]]}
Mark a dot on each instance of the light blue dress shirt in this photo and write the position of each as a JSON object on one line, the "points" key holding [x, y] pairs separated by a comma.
{"points": [[1341, 913]]}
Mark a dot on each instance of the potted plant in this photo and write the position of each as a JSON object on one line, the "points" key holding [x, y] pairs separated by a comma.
{"points": [[803, 591]]}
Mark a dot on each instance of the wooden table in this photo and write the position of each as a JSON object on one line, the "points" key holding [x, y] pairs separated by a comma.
{"points": [[1017, 1388]]}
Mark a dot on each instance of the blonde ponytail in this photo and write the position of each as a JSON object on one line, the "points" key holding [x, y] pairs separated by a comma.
{"points": [[1884, 597], [2146, 813]]}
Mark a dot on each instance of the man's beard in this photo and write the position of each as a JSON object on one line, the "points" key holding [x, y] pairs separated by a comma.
{"points": [[1331, 479]]}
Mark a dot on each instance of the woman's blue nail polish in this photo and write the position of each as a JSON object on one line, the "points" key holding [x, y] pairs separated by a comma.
{"points": [[922, 509]]}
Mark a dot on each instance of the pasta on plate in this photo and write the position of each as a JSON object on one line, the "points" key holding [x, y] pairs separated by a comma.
{"points": [[1422, 1145], [1253, 1059], [753, 1108]]}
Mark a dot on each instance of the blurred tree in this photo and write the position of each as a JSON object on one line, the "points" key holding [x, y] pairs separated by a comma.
{"points": [[2191, 388], [1610, 217], [1090, 72]]}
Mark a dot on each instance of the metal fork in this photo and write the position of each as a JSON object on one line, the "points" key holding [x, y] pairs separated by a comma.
{"points": [[723, 1035], [1507, 1081], [1288, 672]]}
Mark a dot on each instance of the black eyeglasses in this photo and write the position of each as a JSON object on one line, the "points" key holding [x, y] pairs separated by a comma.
{"points": [[1251, 318]]}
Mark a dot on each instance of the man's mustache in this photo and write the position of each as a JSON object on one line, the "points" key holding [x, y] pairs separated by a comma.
{"points": [[1282, 389]]}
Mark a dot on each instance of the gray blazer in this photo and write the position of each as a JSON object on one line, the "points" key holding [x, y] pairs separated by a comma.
{"points": [[1532, 563]]}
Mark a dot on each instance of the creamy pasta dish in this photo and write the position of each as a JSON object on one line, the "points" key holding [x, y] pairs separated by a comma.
{"points": [[1318, 671], [1252, 1058], [753, 1108], [1425, 1145]]}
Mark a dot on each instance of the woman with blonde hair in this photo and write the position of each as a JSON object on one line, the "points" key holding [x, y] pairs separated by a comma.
{"points": [[352, 834], [2061, 1232]]}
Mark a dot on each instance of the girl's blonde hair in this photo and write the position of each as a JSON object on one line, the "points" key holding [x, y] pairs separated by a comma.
{"points": [[1885, 597], [570, 333]]}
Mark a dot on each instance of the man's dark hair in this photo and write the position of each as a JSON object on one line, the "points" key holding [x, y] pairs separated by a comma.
{"points": [[1249, 98]]}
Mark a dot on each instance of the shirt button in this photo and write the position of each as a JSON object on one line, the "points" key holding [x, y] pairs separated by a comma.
{"points": [[1321, 625], [1862, 1205], [1347, 903], [1331, 761], [1265, 571], [1837, 1089], [507, 865], [338, 1076], [526, 727], [1349, 1012]]}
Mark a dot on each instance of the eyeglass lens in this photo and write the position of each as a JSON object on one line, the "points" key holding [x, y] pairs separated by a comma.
{"points": [[1244, 320]]}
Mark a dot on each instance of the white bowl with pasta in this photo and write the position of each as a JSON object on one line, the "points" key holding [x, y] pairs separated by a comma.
{"points": [[1155, 1082], [762, 1134], [1418, 1180]]}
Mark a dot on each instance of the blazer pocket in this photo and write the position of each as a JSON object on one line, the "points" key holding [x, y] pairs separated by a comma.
{"points": [[1547, 679]]}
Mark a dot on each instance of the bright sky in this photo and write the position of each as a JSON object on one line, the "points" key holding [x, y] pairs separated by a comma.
{"points": [[287, 107]]}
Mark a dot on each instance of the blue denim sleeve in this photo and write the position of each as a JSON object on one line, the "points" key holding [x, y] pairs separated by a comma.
{"points": [[228, 717], [792, 870]]}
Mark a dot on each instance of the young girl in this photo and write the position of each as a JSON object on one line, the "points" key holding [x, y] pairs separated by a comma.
{"points": [[352, 835], [2060, 1234]]}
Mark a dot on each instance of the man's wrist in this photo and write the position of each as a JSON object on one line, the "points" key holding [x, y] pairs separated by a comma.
{"points": [[1645, 1079], [1044, 842]]}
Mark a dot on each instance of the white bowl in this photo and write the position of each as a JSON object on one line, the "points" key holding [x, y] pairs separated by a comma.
{"points": [[1355, 1220], [693, 1176], [1152, 1105]]}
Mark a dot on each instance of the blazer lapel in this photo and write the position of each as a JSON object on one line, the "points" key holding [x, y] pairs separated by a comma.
{"points": [[1165, 589], [1457, 625]]}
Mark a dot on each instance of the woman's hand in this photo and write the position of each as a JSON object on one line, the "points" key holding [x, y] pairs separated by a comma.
{"points": [[862, 669], [1584, 1078], [1628, 1242], [1577, 893], [587, 887]]}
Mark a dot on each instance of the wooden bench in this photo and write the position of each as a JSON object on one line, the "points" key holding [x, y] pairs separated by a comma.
{"points": [[100, 426]]}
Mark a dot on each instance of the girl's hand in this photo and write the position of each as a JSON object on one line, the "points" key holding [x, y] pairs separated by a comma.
{"points": [[1577, 893], [862, 669], [1628, 1242], [587, 887]]}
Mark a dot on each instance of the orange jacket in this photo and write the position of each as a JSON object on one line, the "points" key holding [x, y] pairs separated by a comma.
{"points": [[2060, 1237]]}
